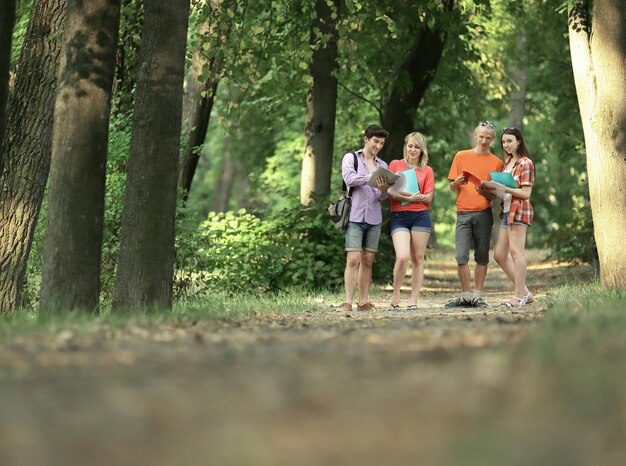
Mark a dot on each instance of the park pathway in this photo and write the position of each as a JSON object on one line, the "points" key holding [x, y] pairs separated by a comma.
{"points": [[315, 388]]}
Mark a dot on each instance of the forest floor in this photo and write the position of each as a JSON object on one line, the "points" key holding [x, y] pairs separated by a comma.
{"points": [[426, 387]]}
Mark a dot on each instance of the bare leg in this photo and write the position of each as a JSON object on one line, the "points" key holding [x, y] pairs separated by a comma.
{"points": [[419, 241], [465, 276], [365, 275], [517, 243], [503, 258], [350, 274], [480, 273], [402, 245]]}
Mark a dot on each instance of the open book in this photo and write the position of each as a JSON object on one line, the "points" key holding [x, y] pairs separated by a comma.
{"points": [[390, 176]]}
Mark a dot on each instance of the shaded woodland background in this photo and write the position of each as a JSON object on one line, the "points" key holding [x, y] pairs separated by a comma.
{"points": [[232, 196]]}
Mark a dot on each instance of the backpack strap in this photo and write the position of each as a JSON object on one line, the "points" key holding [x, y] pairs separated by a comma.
{"points": [[344, 188]]}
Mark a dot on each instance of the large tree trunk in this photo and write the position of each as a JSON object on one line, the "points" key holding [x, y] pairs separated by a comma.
{"points": [[7, 21], [319, 131], [599, 62], [73, 242], [146, 258], [27, 144], [418, 70]]}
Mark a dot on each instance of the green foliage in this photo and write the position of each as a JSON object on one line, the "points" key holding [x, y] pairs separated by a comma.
{"points": [[239, 252], [19, 31], [119, 148]]}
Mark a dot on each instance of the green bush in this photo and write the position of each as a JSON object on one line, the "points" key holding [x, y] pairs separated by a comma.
{"points": [[238, 251]]}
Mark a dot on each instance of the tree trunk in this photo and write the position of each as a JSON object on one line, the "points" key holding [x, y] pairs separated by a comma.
{"points": [[7, 21], [27, 144], [319, 131], [197, 106], [517, 99], [599, 63], [73, 243], [419, 68], [227, 178], [146, 258]]}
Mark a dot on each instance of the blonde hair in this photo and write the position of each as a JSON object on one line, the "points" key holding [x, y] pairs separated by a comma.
{"points": [[418, 139]]}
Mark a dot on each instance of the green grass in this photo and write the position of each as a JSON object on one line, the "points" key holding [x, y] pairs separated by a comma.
{"points": [[562, 400], [213, 306]]}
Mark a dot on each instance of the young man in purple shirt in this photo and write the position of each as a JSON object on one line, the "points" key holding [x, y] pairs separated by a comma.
{"points": [[363, 230]]}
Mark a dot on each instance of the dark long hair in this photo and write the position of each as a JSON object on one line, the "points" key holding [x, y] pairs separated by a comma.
{"points": [[522, 150]]}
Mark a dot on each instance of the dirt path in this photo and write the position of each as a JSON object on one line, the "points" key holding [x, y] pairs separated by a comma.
{"points": [[317, 388]]}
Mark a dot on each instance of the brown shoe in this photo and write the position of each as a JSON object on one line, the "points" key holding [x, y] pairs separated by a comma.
{"points": [[346, 307], [365, 307]]}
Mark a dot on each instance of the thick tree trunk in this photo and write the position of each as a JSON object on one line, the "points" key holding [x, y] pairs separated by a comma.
{"points": [[146, 258], [73, 242], [599, 62], [7, 21], [319, 131], [27, 143], [419, 68], [227, 179]]}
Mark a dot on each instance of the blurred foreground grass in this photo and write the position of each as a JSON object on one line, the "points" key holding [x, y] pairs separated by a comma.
{"points": [[564, 401]]}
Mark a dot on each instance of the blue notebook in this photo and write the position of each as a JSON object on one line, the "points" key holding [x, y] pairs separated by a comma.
{"points": [[411, 185], [504, 178]]}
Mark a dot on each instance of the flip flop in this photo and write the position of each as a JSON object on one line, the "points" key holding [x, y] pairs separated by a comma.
{"points": [[520, 302]]}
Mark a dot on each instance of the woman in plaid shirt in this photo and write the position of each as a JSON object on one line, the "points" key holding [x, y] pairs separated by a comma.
{"points": [[517, 214]]}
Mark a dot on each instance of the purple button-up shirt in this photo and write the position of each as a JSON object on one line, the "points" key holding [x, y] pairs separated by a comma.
{"points": [[365, 199]]}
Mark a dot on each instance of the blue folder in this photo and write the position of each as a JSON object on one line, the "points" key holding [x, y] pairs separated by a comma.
{"points": [[504, 178], [411, 185]]}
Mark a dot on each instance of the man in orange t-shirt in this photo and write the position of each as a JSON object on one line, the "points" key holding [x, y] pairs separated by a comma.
{"points": [[474, 216]]}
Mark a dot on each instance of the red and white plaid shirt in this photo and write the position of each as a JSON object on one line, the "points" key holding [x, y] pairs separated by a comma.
{"points": [[524, 175]]}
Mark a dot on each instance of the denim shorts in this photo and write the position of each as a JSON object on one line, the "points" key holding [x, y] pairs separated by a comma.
{"points": [[362, 236], [473, 229], [505, 221], [411, 221]]}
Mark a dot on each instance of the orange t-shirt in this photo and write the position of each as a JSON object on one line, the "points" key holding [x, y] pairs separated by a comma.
{"points": [[468, 200], [425, 181]]}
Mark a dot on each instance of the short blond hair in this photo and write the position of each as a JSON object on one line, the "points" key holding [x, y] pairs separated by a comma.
{"points": [[417, 139]]}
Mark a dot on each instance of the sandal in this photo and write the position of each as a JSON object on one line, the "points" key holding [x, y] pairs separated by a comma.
{"points": [[411, 307], [520, 302], [346, 307], [365, 307], [393, 307], [529, 297]]}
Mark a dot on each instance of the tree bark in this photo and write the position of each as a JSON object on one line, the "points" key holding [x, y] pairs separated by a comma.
{"points": [[598, 51], [319, 131], [146, 257], [27, 144], [418, 69], [73, 242], [7, 22]]}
